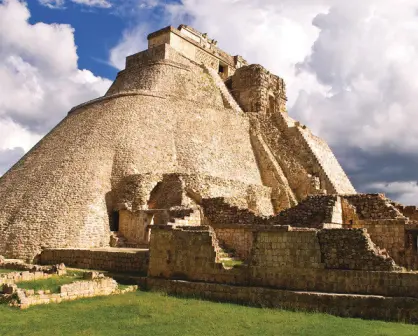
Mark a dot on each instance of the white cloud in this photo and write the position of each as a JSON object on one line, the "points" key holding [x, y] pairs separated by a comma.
{"points": [[132, 42], [275, 34], [94, 3], [367, 55], [40, 77], [54, 4]]}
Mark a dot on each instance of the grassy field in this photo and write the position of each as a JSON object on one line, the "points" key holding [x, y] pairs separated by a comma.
{"points": [[53, 283], [143, 313]]}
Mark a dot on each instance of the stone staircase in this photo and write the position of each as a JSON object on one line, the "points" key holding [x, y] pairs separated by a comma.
{"points": [[229, 101], [227, 257], [193, 219], [224, 255]]}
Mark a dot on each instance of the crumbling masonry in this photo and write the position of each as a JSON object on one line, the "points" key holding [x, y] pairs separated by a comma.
{"points": [[190, 168]]}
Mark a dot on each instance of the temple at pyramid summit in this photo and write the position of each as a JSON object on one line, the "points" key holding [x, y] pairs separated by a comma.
{"points": [[191, 168]]}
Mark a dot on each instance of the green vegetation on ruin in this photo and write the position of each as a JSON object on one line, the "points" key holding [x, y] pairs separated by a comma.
{"points": [[144, 313], [232, 263], [52, 284]]}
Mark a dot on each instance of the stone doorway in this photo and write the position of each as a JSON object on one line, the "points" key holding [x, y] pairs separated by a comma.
{"points": [[114, 221]]}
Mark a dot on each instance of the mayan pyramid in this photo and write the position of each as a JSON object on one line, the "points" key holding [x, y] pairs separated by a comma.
{"points": [[184, 121]]}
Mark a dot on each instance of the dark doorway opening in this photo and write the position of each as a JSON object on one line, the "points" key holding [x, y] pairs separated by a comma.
{"points": [[114, 221], [221, 68]]}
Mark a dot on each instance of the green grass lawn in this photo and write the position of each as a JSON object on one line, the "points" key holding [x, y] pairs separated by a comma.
{"points": [[53, 283], [142, 313]]}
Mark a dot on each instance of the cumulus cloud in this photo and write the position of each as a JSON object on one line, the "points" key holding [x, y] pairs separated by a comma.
{"points": [[366, 54], [350, 68], [40, 77]]}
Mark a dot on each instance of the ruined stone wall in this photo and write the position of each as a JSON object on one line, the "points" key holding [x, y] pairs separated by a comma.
{"points": [[256, 90], [134, 191], [369, 206], [133, 226], [385, 223], [292, 260], [410, 211], [187, 253], [313, 212], [388, 234], [352, 249], [219, 211], [73, 291], [403, 309], [115, 260], [274, 251]]}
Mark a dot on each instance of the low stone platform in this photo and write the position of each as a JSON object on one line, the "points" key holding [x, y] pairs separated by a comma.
{"points": [[404, 309], [105, 259]]}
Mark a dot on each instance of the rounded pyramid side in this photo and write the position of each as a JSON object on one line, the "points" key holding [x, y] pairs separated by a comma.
{"points": [[56, 195]]}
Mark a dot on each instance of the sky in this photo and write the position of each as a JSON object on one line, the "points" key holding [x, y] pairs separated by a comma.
{"points": [[351, 69]]}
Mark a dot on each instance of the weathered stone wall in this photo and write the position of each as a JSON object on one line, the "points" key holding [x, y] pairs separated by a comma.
{"points": [[219, 211], [256, 90], [133, 226], [410, 211], [286, 259], [403, 309], [273, 251], [116, 260], [13, 277], [352, 249], [313, 212], [369, 206], [388, 234], [73, 291], [187, 253]]}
